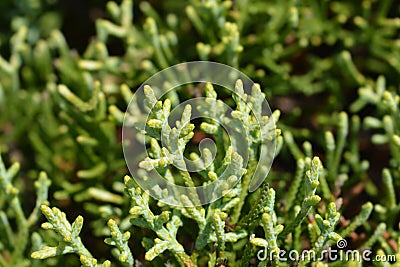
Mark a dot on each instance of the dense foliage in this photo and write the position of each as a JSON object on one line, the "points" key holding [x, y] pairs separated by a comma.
{"points": [[329, 70]]}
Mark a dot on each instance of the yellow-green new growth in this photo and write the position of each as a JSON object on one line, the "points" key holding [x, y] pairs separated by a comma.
{"points": [[16, 238], [327, 226], [144, 217], [71, 242], [120, 241], [310, 198], [271, 228]]}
